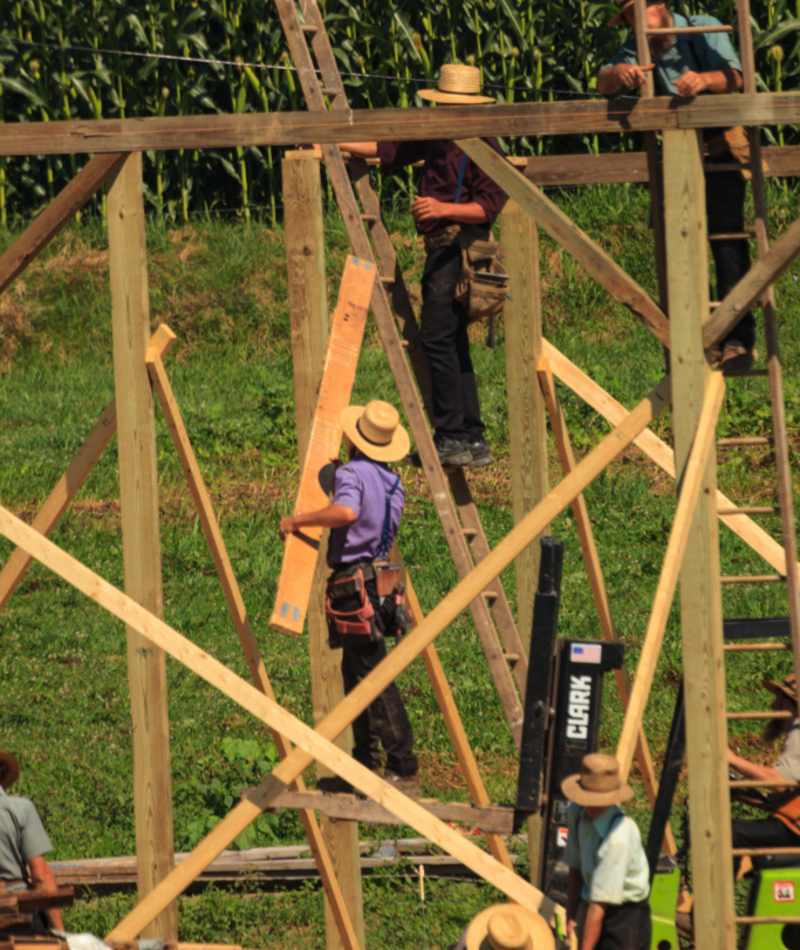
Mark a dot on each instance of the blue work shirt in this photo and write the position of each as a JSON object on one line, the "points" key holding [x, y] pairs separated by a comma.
{"points": [[362, 485], [691, 52], [608, 852], [22, 836]]}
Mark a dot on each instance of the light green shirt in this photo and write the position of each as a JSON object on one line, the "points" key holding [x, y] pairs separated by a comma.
{"points": [[609, 854], [22, 836]]}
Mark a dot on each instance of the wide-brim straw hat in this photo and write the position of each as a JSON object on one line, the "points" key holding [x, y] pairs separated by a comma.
{"points": [[375, 429], [9, 768], [598, 783], [457, 84], [787, 688], [509, 927], [617, 19]]}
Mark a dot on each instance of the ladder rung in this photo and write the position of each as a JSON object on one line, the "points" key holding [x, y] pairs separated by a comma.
{"points": [[369, 218], [309, 29], [387, 281], [330, 92], [755, 783], [512, 658], [767, 714], [752, 440], [753, 579], [762, 510], [756, 647], [674, 31], [491, 595], [467, 532], [733, 236], [767, 920]]}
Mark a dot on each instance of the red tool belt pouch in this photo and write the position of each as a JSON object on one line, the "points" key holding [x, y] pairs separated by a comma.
{"points": [[789, 814], [348, 610]]}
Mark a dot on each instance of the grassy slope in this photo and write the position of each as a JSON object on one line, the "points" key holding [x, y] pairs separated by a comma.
{"points": [[223, 290]]}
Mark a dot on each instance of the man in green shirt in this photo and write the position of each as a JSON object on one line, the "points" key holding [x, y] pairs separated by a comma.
{"points": [[609, 878]]}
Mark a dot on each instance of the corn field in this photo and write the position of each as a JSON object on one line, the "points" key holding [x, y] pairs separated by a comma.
{"points": [[92, 59]]}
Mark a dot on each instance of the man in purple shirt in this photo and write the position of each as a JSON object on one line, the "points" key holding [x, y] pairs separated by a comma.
{"points": [[454, 195], [363, 517]]}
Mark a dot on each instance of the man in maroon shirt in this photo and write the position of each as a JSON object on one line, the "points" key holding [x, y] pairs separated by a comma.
{"points": [[454, 195]]}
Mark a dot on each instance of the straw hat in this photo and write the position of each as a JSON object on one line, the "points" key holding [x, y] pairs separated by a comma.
{"points": [[618, 19], [598, 782], [9, 769], [376, 431], [509, 927], [787, 688], [458, 84]]}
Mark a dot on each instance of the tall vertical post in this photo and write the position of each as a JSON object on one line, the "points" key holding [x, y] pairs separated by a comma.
{"points": [[701, 602], [527, 427], [138, 484], [305, 251]]}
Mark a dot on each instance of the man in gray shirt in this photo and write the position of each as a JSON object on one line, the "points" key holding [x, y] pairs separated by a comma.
{"points": [[782, 828], [23, 841]]}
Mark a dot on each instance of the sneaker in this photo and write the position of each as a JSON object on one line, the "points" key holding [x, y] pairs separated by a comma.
{"points": [[407, 784], [452, 451], [481, 453], [736, 358]]}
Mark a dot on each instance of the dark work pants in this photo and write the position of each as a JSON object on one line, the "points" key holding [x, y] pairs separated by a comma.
{"points": [[385, 722], [725, 212], [762, 833], [443, 335], [626, 927]]}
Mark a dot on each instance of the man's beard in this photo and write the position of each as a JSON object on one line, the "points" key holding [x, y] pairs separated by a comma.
{"points": [[773, 730]]}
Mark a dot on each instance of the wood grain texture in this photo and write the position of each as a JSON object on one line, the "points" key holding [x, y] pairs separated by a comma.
{"points": [[341, 358], [138, 477]]}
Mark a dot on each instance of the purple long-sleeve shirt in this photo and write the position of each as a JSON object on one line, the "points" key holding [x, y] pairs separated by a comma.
{"points": [[362, 485], [440, 177]]}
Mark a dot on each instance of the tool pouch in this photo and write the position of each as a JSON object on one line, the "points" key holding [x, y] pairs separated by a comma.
{"points": [[789, 814], [396, 614], [348, 610], [483, 285], [387, 577]]}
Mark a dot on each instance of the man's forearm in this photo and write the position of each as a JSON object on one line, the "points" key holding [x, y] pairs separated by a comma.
{"points": [[752, 770], [592, 926], [608, 82]]}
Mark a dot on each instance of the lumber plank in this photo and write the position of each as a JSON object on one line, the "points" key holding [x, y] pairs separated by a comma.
{"points": [[750, 288], [341, 359], [312, 744], [590, 255], [591, 559], [657, 450], [52, 219], [236, 606], [308, 311], [700, 593], [692, 483], [290, 128], [70, 482], [359, 698], [141, 547]]}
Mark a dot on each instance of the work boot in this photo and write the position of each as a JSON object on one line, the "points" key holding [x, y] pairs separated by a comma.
{"points": [[334, 784], [736, 357], [481, 453], [407, 784], [452, 451]]}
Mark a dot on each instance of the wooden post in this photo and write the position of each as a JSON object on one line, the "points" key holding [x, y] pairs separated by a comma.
{"points": [[138, 479], [305, 251], [701, 604], [527, 427]]}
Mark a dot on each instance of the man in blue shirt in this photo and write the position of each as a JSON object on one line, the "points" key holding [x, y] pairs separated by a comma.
{"points": [[609, 878], [363, 517], [689, 65]]}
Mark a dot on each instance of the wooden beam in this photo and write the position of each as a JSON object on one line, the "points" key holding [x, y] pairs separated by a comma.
{"points": [[344, 346], [692, 483], [752, 285], [700, 596], [233, 597], [138, 477], [308, 310], [403, 654], [589, 255], [70, 482], [383, 125], [591, 559], [311, 744], [657, 450], [59, 212]]}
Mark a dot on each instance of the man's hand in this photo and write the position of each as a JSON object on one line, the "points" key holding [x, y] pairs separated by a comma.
{"points": [[691, 84], [632, 75], [427, 209], [286, 527]]}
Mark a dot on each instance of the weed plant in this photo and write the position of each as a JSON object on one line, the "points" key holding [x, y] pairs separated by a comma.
{"points": [[223, 290]]}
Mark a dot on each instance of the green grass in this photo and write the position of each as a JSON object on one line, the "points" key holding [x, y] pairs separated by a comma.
{"points": [[223, 291]]}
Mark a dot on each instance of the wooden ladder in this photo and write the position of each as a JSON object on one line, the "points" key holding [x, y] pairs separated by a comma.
{"points": [[306, 34]]}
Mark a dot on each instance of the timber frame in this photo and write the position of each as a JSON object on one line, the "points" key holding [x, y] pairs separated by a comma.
{"points": [[694, 393]]}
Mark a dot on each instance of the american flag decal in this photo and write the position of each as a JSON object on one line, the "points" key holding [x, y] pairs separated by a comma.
{"points": [[586, 652]]}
